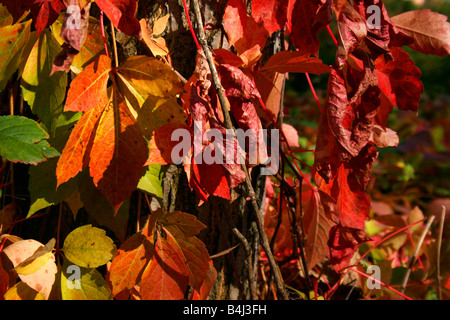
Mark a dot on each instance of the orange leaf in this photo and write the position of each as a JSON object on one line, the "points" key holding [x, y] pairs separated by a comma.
{"points": [[73, 158], [118, 153], [89, 88], [127, 266], [165, 277]]}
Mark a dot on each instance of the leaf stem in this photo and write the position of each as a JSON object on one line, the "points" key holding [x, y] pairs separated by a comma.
{"points": [[116, 57], [416, 253], [438, 258], [102, 27], [313, 91]]}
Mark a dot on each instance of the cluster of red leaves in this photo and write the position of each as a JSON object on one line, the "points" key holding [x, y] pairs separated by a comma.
{"points": [[371, 75]]}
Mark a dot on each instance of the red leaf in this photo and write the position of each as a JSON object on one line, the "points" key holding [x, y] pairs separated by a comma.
{"points": [[235, 20], [89, 88], [247, 36], [118, 154], [317, 227], [352, 31], [352, 202], [45, 12], [430, 31], [272, 13], [305, 19], [121, 13], [295, 61], [379, 40], [399, 81], [343, 243]]}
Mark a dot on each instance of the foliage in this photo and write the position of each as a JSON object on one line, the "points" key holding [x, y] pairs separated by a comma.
{"points": [[97, 146]]}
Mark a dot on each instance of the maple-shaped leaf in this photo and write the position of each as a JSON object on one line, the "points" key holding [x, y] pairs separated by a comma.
{"points": [[89, 88], [305, 18], [430, 31], [118, 153], [272, 13], [399, 81], [121, 13], [127, 265]]}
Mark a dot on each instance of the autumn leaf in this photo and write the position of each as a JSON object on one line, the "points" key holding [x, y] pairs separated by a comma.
{"points": [[399, 81], [244, 33], [430, 31], [149, 76], [317, 227], [43, 278], [165, 277], [21, 291], [295, 61], [89, 88], [44, 92], [121, 13], [12, 42], [304, 20], [90, 286], [88, 247], [157, 45], [118, 153], [273, 13], [74, 158], [127, 266], [73, 36]]}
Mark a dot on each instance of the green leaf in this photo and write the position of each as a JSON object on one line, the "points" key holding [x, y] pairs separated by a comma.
{"points": [[89, 247], [44, 93], [90, 285], [151, 181], [22, 140], [12, 41]]}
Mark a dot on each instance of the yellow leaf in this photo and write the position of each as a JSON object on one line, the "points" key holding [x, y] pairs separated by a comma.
{"points": [[34, 265], [21, 291]]}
